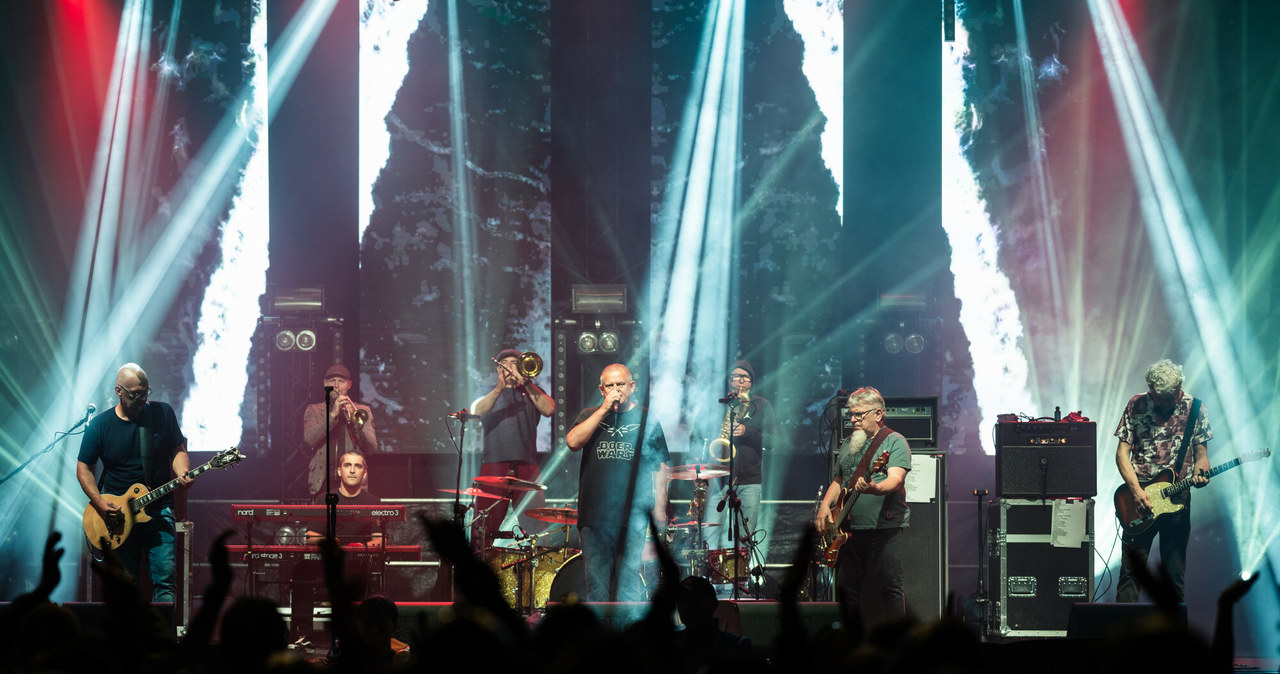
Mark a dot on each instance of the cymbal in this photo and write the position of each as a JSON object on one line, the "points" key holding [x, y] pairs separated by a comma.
{"points": [[692, 523], [508, 483], [696, 471], [565, 515], [472, 491]]}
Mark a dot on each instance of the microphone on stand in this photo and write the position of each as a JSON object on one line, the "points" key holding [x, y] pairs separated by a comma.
{"points": [[88, 412], [462, 415]]}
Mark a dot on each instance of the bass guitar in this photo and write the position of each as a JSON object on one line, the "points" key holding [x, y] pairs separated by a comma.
{"points": [[112, 532], [1161, 489], [831, 539]]}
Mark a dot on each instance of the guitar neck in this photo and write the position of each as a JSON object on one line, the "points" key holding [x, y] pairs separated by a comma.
{"points": [[164, 489], [1185, 483]]}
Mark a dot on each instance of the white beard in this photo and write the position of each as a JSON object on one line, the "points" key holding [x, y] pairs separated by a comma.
{"points": [[856, 441]]}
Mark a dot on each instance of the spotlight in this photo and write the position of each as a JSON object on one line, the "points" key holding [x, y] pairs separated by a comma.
{"points": [[306, 340], [609, 342], [285, 340], [915, 342], [587, 342], [893, 342]]}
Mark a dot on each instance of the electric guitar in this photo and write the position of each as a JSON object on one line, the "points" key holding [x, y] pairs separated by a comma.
{"points": [[113, 531], [833, 537], [1161, 489]]}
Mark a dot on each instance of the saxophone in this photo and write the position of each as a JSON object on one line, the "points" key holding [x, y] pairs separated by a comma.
{"points": [[719, 448]]}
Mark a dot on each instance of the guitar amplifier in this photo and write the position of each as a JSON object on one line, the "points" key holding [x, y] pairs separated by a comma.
{"points": [[1047, 460], [1040, 563]]}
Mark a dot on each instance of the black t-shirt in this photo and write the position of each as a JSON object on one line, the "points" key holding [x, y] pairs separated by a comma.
{"points": [[114, 442], [350, 530], [610, 459], [761, 427], [511, 428]]}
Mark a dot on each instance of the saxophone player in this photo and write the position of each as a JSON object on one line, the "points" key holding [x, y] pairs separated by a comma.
{"points": [[753, 430]]}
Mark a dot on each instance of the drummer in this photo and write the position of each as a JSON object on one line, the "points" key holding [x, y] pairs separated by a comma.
{"points": [[510, 412]]}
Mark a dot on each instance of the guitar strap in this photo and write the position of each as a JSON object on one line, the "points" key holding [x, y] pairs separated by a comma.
{"points": [[876, 441], [144, 444], [1186, 436]]}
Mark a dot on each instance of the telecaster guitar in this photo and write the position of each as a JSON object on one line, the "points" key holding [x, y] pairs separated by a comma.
{"points": [[133, 505], [1161, 489], [831, 539]]}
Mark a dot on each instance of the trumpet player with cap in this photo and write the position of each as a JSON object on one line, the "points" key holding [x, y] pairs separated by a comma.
{"points": [[510, 412], [350, 426]]}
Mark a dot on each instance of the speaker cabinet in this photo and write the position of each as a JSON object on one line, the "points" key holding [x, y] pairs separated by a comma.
{"points": [[924, 553], [1047, 460]]}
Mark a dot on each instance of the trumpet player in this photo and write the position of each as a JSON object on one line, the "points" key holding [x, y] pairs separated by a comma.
{"points": [[753, 429], [350, 426], [510, 412]]}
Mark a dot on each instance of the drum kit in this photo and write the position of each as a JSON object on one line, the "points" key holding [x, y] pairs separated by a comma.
{"points": [[531, 573]]}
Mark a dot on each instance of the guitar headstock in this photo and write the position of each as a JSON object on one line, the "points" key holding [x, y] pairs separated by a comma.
{"points": [[1255, 455], [879, 464], [226, 458]]}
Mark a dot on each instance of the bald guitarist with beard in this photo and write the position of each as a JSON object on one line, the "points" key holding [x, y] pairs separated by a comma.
{"points": [[136, 435], [873, 550]]}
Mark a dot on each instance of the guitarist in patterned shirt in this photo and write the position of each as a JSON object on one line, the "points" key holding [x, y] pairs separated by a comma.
{"points": [[872, 556], [1150, 434]]}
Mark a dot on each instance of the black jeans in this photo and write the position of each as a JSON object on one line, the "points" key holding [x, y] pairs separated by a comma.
{"points": [[1174, 530], [871, 558]]}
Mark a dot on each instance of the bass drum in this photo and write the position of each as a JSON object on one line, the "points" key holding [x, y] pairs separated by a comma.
{"points": [[570, 579], [512, 568]]}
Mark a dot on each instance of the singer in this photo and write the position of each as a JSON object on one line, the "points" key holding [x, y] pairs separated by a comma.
{"points": [[623, 478], [138, 441], [510, 412], [350, 427]]}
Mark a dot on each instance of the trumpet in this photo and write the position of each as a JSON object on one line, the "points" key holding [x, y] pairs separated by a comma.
{"points": [[356, 416], [528, 363]]}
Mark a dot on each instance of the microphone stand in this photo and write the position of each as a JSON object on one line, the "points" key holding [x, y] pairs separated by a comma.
{"points": [[56, 439], [731, 497], [459, 510], [330, 498]]}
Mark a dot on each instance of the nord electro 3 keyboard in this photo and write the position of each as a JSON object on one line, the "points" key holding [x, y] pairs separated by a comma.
{"points": [[260, 512], [295, 553]]}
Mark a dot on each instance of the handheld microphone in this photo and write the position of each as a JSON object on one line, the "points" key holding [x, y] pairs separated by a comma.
{"points": [[328, 389]]}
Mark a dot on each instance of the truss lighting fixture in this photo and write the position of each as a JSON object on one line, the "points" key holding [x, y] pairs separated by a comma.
{"points": [[893, 342], [306, 340], [588, 342], [609, 342], [286, 340], [915, 343]]}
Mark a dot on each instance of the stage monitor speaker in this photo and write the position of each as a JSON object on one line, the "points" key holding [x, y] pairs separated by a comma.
{"points": [[1107, 619], [1046, 460]]}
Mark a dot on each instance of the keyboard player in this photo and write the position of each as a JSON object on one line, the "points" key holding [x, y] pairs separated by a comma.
{"points": [[352, 471]]}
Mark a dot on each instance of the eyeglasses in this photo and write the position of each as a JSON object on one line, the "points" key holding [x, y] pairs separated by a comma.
{"points": [[744, 377], [857, 416], [136, 395]]}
